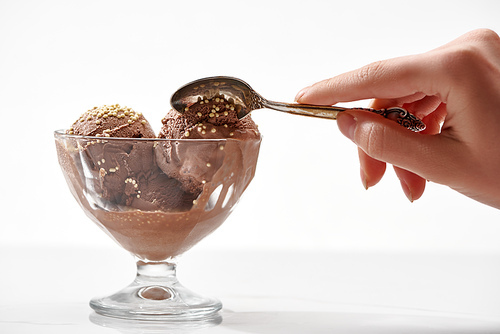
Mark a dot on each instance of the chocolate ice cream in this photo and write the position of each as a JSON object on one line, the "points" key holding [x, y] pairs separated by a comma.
{"points": [[112, 121], [125, 172], [158, 213], [208, 118]]}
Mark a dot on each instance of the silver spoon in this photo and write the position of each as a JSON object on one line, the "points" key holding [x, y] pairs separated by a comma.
{"points": [[248, 100]]}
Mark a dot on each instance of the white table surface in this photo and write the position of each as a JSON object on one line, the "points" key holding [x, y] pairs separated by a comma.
{"points": [[45, 289]]}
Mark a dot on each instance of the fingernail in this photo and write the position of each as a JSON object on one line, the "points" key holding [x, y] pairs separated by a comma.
{"points": [[346, 124], [406, 190], [300, 94], [363, 178]]}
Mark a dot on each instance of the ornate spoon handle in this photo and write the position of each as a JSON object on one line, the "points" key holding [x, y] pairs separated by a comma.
{"points": [[400, 115]]}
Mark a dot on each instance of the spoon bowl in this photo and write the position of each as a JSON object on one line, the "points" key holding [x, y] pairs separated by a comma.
{"points": [[246, 99]]}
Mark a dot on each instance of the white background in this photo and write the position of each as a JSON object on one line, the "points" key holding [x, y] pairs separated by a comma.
{"points": [[60, 58]]}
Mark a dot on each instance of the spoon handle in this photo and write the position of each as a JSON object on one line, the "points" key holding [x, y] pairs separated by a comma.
{"points": [[400, 115]]}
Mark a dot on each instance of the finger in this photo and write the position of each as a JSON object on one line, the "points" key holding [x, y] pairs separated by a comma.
{"points": [[423, 106], [428, 156], [371, 170], [387, 79], [435, 120], [412, 184]]}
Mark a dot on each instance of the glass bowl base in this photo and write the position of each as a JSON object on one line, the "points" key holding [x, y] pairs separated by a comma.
{"points": [[156, 303]]}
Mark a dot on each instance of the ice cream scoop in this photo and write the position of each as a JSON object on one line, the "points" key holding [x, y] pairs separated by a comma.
{"points": [[214, 118], [248, 100], [112, 121]]}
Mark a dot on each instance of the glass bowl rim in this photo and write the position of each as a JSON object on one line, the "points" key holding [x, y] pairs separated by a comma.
{"points": [[61, 133]]}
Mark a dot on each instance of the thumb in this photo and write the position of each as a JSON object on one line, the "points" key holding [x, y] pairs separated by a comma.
{"points": [[433, 157]]}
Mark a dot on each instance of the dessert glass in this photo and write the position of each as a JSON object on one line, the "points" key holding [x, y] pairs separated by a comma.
{"points": [[106, 177]]}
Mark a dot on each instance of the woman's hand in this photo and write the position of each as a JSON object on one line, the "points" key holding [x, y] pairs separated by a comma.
{"points": [[454, 89]]}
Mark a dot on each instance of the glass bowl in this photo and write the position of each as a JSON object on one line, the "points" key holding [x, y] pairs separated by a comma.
{"points": [[156, 198]]}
